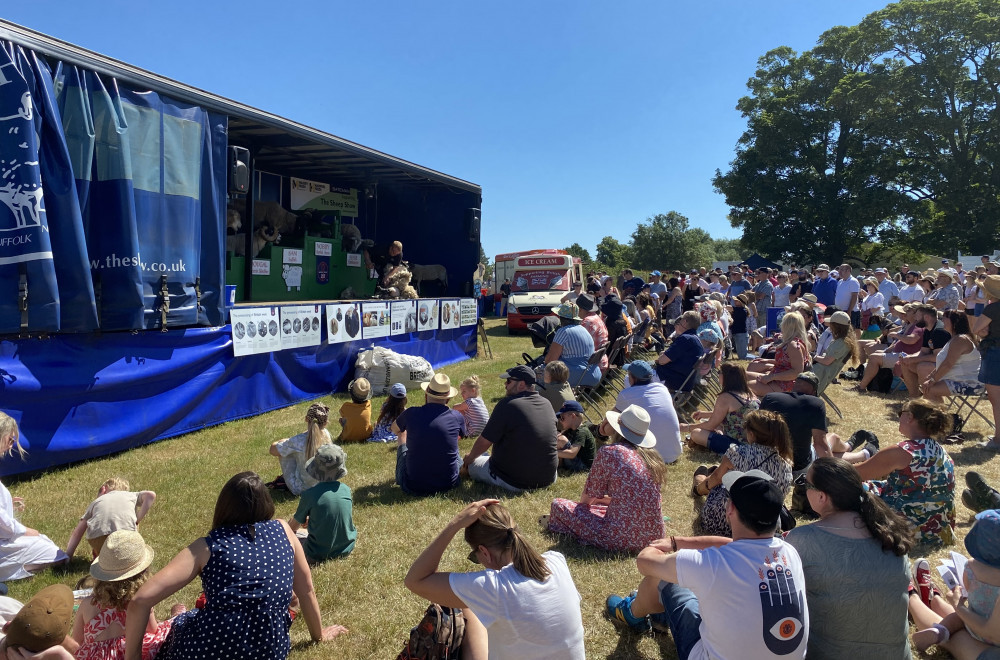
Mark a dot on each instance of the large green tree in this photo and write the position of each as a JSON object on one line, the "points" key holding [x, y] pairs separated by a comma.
{"points": [[613, 254], [667, 241], [578, 250]]}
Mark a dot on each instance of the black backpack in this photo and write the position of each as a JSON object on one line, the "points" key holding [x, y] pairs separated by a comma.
{"points": [[882, 381]]}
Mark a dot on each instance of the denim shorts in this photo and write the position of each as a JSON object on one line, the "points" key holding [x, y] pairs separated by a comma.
{"points": [[989, 369], [720, 442]]}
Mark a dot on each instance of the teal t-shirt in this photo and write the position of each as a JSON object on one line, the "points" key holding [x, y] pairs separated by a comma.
{"points": [[329, 507]]}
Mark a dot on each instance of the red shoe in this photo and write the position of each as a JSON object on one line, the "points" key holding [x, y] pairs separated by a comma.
{"points": [[922, 578]]}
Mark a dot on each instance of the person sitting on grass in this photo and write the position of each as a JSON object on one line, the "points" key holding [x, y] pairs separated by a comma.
{"points": [[115, 508], [392, 408], [575, 443], [969, 631], [473, 408], [768, 449], [356, 414], [292, 453], [620, 506], [522, 606], [917, 476], [724, 425], [326, 509], [99, 626], [858, 545], [427, 458], [38, 629], [555, 387], [722, 598], [250, 566]]}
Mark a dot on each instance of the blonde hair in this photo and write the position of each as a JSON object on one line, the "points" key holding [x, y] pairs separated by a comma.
{"points": [[793, 327], [115, 483], [472, 383], [496, 530], [117, 594], [649, 457], [397, 245], [317, 417], [558, 371], [8, 427]]}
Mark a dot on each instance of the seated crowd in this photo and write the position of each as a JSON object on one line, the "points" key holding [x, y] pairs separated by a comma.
{"points": [[750, 584]]}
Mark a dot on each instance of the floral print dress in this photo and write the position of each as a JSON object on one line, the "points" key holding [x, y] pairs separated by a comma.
{"points": [[744, 458], [783, 363], [923, 491], [114, 648], [631, 521], [732, 423]]}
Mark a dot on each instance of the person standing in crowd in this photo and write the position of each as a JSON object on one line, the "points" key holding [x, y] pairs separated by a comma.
{"points": [[825, 287], [672, 305], [657, 286], [911, 291], [848, 290], [763, 295], [988, 328], [782, 292], [656, 400], [504, 295], [887, 287], [632, 285], [522, 434], [730, 599], [427, 457], [737, 284]]}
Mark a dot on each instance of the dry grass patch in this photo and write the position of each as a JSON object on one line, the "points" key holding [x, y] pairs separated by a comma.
{"points": [[365, 591]]}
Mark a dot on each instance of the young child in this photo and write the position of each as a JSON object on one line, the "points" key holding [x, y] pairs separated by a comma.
{"points": [[576, 445], [292, 453], [99, 626], [115, 508], [557, 390], [356, 415], [473, 408], [393, 407], [327, 508]]}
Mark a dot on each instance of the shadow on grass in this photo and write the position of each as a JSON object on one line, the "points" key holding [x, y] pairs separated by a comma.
{"points": [[628, 644], [970, 454], [466, 492]]}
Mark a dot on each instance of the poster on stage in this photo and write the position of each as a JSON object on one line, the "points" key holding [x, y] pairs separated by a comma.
{"points": [[450, 315], [427, 315], [255, 330], [374, 320], [301, 325], [467, 310], [343, 323], [774, 316], [404, 317]]}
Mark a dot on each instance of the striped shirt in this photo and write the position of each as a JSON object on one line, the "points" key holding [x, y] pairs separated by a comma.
{"points": [[576, 342], [475, 417]]}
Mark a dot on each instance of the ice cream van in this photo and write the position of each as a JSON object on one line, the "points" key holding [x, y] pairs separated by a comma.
{"points": [[538, 281]]}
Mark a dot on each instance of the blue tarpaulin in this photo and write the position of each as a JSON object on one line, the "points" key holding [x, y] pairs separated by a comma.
{"points": [[82, 396]]}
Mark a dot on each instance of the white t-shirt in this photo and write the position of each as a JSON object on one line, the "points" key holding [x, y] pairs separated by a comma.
{"points": [[845, 288], [526, 619], [752, 600], [911, 293], [655, 399]]}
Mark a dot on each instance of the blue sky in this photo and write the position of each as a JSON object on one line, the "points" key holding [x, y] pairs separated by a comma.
{"points": [[579, 119]]}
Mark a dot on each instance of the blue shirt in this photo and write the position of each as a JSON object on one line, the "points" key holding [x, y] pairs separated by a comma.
{"points": [[683, 352], [432, 458], [736, 288], [576, 342], [888, 289], [825, 290]]}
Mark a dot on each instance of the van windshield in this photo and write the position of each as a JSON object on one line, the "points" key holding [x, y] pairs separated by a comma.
{"points": [[540, 280]]}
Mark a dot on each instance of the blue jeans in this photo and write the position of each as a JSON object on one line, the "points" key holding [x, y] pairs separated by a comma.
{"points": [[681, 614], [401, 469], [741, 340]]}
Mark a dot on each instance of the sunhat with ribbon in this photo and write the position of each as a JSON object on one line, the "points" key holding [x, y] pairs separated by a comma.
{"points": [[633, 425]]}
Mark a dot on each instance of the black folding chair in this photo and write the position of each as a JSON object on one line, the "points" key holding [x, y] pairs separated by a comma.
{"points": [[584, 393]]}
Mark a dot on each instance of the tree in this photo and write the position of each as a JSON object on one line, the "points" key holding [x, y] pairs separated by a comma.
{"points": [[578, 250], [728, 249], [484, 260], [613, 254], [666, 241]]}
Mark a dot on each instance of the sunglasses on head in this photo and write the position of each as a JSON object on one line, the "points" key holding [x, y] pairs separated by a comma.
{"points": [[802, 481]]}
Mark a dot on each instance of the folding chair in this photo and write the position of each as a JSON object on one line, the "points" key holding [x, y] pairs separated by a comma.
{"points": [[966, 405], [583, 392], [838, 365], [485, 339], [684, 395]]}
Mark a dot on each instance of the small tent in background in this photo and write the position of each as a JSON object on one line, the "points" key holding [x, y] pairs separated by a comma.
{"points": [[756, 261]]}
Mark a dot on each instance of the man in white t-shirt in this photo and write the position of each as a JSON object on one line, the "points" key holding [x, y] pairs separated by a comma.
{"points": [[655, 399], [846, 299], [738, 600], [911, 292]]}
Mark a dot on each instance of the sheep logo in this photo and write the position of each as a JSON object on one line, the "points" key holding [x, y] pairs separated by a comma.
{"points": [[292, 276]]}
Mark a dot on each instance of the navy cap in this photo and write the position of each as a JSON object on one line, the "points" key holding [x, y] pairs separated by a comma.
{"points": [[522, 373], [571, 406], [640, 370]]}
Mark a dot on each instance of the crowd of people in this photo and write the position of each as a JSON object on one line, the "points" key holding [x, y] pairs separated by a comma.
{"points": [[750, 584]]}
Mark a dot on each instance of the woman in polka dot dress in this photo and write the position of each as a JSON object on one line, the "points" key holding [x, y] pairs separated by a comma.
{"points": [[249, 566]]}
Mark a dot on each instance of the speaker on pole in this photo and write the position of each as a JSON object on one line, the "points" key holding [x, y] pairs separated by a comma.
{"points": [[472, 223]]}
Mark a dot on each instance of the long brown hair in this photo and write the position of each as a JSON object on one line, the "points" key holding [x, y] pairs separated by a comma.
{"points": [[769, 429], [846, 332], [244, 500], [842, 484], [734, 378], [496, 530], [317, 417]]}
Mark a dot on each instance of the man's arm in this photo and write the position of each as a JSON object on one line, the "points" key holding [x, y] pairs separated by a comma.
{"points": [[478, 449], [145, 502], [820, 443], [853, 303]]}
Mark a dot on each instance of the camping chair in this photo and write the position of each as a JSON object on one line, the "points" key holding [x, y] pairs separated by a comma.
{"points": [[839, 365], [584, 393], [485, 339], [685, 394], [966, 405], [614, 377]]}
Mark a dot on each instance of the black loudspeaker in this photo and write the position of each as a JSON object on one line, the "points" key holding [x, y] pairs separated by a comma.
{"points": [[472, 222], [239, 172]]}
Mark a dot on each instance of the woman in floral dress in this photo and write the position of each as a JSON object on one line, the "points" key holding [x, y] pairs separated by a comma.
{"points": [[917, 476], [768, 448], [620, 506]]}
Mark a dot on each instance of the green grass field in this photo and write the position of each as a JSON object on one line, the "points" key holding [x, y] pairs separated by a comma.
{"points": [[365, 591]]}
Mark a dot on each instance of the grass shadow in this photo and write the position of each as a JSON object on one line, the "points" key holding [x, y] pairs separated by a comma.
{"points": [[569, 547], [970, 454]]}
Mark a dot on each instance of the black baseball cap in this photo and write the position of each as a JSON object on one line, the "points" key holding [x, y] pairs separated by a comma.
{"points": [[755, 496], [521, 373]]}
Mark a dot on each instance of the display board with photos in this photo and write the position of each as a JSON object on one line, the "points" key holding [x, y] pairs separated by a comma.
{"points": [[255, 330], [343, 323], [374, 320], [403, 315], [301, 325], [450, 315], [427, 314]]}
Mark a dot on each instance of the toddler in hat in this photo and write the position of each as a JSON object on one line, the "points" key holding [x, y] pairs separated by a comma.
{"points": [[393, 407], [473, 408], [119, 571], [356, 414], [575, 443], [327, 508], [115, 508]]}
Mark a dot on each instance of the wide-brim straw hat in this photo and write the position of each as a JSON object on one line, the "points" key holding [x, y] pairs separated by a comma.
{"points": [[992, 286], [439, 386], [901, 310], [124, 555], [360, 388], [633, 425]]}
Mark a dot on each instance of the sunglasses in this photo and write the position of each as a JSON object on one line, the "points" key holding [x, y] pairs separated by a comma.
{"points": [[474, 556], [803, 482]]}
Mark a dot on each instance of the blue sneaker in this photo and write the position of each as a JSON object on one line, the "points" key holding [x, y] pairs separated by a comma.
{"points": [[620, 610]]}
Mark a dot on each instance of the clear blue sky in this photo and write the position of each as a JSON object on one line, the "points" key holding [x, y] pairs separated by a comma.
{"points": [[579, 119]]}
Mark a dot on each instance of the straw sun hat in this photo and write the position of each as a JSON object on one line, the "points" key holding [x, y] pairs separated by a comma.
{"points": [[124, 555], [992, 286]]}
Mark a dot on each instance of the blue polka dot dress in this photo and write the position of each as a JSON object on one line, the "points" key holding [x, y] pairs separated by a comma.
{"points": [[248, 586]]}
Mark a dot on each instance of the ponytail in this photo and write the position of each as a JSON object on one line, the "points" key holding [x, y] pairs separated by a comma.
{"points": [[496, 530], [316, 416]]}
